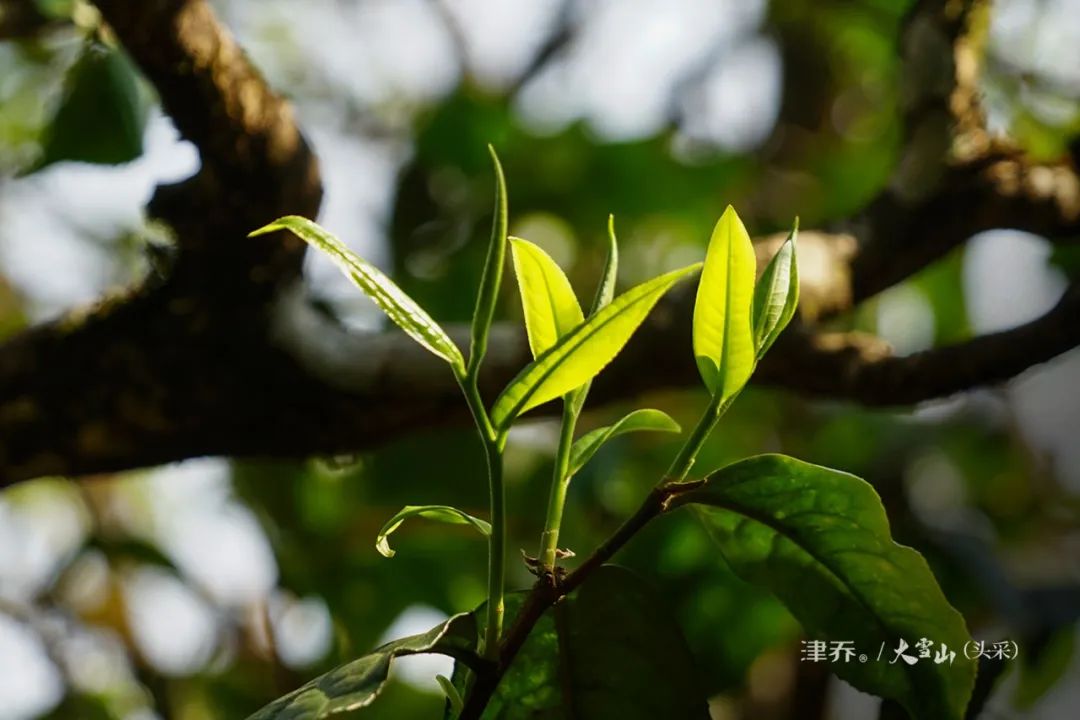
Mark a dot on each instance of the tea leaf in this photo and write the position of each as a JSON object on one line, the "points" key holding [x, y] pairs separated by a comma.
{"points": [[357, 684], [723, 336], [584, 352], [605, 292], [819, 540], [776, 294], [491, 279], [609, 651], [551, 308], [441, 513], [391, 299], [587, 445]]}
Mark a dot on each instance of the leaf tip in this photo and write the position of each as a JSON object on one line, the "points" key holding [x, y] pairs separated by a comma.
{"points": [[267, 229], [384, 547], [495, 159]]}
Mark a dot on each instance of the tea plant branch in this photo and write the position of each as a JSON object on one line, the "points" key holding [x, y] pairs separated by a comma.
{"points": [[493, 445], [549, 539], [548, 590]]}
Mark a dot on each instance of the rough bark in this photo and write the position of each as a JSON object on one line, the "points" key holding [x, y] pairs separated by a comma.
{"points": [[222, 357]]}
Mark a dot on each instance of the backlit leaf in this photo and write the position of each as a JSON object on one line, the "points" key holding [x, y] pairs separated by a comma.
{"points": [[605, 293], [441, 513], [491, 279], [582, 354], [551, 308], [587, 445], [391, 299], [776, 295], [723, 336]]}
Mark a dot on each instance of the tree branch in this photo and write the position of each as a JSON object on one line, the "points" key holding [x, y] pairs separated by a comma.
{"points": [[224, 357], [90, 403]]}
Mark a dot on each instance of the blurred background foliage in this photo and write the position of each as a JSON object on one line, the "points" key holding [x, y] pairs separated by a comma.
{"points": [[202, 590]]}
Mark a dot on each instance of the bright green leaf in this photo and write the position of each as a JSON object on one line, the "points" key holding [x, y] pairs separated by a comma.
{"points": [[391, 299], [605, 293], [723, 336], [582, 354], [610, 651], [551, 308], [491, 279], [776, 294], [357, 684], [441, 513], [587, 445], [819, 540]]}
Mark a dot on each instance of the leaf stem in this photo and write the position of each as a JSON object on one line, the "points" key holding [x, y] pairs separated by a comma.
{"points": [[493, 446], [496, 549], [546, 593], [684, 461], [560, 483]]}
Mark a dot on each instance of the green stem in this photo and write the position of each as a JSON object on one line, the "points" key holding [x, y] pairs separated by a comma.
{"points": [[493, 446], [560, 483], [684, 461], [496, 549]]}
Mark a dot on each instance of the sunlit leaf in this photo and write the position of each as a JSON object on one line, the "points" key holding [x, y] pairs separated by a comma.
{"points": [[776, 295], [610, 651], [819, 540], [582, 354], [551, 308], [605, 293], [357, 684], [491, 280], [441, 513], [723, 336], [391, 299], [587, 445]]}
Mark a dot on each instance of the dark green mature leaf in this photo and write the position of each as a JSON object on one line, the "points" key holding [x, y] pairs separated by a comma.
{"points": [[776, 295], [608, 652], [358, 683], [646, 419], [441, 513], [102, 114], [391, 299], [584, 352], [819, 539]]}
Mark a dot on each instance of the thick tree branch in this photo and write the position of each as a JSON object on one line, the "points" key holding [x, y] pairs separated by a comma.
{"points": [[217, 360], [255, 163], [135, 375], [229, 394]]}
